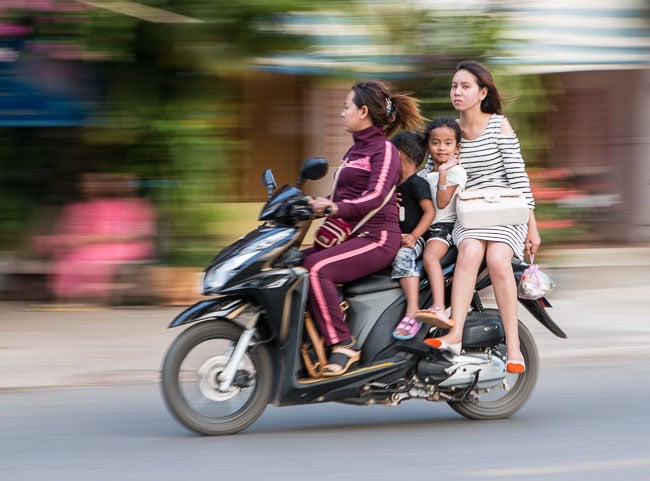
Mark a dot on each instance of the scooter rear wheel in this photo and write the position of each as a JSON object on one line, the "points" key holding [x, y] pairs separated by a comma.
{"points": [[190, 383], [500, 403]]}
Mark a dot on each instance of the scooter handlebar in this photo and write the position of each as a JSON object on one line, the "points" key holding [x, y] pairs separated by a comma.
{"points": [[301, 210]]}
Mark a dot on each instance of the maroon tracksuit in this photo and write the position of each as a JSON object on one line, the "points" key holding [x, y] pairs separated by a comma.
{"points": [[370, 168]]}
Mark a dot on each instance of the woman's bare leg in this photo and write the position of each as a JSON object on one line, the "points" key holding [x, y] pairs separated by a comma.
{"points": [[499, 262], [470, 256]]}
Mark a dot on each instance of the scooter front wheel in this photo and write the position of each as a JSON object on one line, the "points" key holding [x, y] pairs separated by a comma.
{"points": [[503, 402], [191, 386]]}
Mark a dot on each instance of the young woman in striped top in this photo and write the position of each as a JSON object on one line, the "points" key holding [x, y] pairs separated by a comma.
{"points": [[491, 156]]}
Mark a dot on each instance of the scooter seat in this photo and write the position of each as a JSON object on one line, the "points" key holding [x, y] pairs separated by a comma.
{"points": [[379, 281], [382, 281]]}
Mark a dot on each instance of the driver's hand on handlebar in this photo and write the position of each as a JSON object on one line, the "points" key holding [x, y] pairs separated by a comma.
{"points": [[322, 206]]}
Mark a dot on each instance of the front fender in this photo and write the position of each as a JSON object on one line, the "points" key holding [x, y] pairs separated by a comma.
{"points": [[220, 307]]}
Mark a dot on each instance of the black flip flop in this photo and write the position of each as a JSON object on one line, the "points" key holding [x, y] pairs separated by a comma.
{"points": [[341, 357]]}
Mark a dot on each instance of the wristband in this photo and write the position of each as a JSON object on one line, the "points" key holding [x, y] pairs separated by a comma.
{"points": [[442, 186]]}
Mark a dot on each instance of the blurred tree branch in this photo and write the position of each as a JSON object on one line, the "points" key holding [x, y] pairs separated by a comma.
{"points": [[171, 95]]}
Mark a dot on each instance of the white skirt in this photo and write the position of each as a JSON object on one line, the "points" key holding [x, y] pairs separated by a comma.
{"points": [[513, 235]]}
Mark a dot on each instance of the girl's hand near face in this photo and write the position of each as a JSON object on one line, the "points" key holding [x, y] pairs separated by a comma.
{"points": [[451, 161]]}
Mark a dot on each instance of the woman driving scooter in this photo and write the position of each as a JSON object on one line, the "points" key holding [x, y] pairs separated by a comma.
{"points": [[368, 172]]}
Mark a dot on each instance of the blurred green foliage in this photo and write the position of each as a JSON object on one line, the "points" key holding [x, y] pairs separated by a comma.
{"points": [[171, 100], [169, 115]]}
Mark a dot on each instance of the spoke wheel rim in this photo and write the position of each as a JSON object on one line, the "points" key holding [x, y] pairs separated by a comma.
{"points": [[208, 375]]}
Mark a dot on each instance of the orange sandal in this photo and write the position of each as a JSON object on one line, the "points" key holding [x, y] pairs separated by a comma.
{"points": [[516, 367]]}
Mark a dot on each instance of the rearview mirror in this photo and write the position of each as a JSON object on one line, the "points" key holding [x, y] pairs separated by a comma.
{"points": [[269, 182], [313, 168]]}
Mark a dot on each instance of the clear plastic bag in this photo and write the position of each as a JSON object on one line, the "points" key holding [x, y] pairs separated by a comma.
{"points": [[534, 283]]}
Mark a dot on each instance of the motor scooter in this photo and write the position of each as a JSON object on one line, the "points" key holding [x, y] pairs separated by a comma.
{"points": [[242, 349]]}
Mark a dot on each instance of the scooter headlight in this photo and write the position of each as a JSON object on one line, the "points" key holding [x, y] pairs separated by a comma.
{"points": [[218, 275]]}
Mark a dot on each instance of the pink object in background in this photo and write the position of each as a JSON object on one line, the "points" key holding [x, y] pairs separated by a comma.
{"points": [[94, 236]]}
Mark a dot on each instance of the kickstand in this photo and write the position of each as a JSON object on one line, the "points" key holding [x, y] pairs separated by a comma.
{"points": [[465, 392]]}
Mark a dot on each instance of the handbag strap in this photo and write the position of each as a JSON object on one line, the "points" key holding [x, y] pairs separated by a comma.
{"points": [[373, 211], [336, 178]]}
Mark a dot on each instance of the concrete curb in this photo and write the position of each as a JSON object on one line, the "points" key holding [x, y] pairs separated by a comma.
{"points": [[596, 257]]}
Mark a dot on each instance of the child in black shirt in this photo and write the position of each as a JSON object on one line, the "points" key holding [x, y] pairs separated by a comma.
{"points": [[416, 213]]}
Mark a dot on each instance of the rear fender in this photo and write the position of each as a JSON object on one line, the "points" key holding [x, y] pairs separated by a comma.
{"points": [[537, 307], [238, 310]]}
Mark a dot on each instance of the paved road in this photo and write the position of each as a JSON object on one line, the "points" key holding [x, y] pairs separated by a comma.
{"points": [[101, 416], [583, 423], [602, 301]]}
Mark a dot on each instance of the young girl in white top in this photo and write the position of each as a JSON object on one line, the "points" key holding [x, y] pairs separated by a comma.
{"points": [[446, 178]]}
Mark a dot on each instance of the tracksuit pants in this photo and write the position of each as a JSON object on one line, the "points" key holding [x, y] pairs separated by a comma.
{"points": [[353, 259]]}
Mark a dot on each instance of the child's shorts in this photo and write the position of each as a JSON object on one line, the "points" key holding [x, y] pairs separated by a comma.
{"points": [[440, 231], [404, 264]]}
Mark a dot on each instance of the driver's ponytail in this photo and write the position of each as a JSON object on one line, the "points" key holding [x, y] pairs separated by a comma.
{"points": [[391, 111]]}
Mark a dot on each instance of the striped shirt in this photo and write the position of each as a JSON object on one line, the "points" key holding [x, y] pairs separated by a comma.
{"points": [[494, 160]]}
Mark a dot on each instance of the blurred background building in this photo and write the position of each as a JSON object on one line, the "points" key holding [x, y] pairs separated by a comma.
{"points": [[196, 98], [597, 54]]}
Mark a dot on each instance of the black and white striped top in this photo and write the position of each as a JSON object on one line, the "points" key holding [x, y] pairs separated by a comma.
{"points": [[494, 160]]}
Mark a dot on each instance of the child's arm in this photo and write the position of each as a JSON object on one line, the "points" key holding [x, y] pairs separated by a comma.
{"points": [[428, 214], [444, 193], [443, 197]]}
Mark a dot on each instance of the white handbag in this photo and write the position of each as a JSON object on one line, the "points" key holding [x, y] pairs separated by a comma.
{"points": [[491, 207]]}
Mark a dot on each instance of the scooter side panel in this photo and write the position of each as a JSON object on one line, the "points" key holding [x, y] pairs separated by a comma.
{"points": [[366, 310]]}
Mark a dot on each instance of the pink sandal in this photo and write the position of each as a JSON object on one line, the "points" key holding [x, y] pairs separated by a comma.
{"points": [[434, 316], [406, 329]]}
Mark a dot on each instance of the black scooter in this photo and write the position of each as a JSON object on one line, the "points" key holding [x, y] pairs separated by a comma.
{"points": [[243, 348]]}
